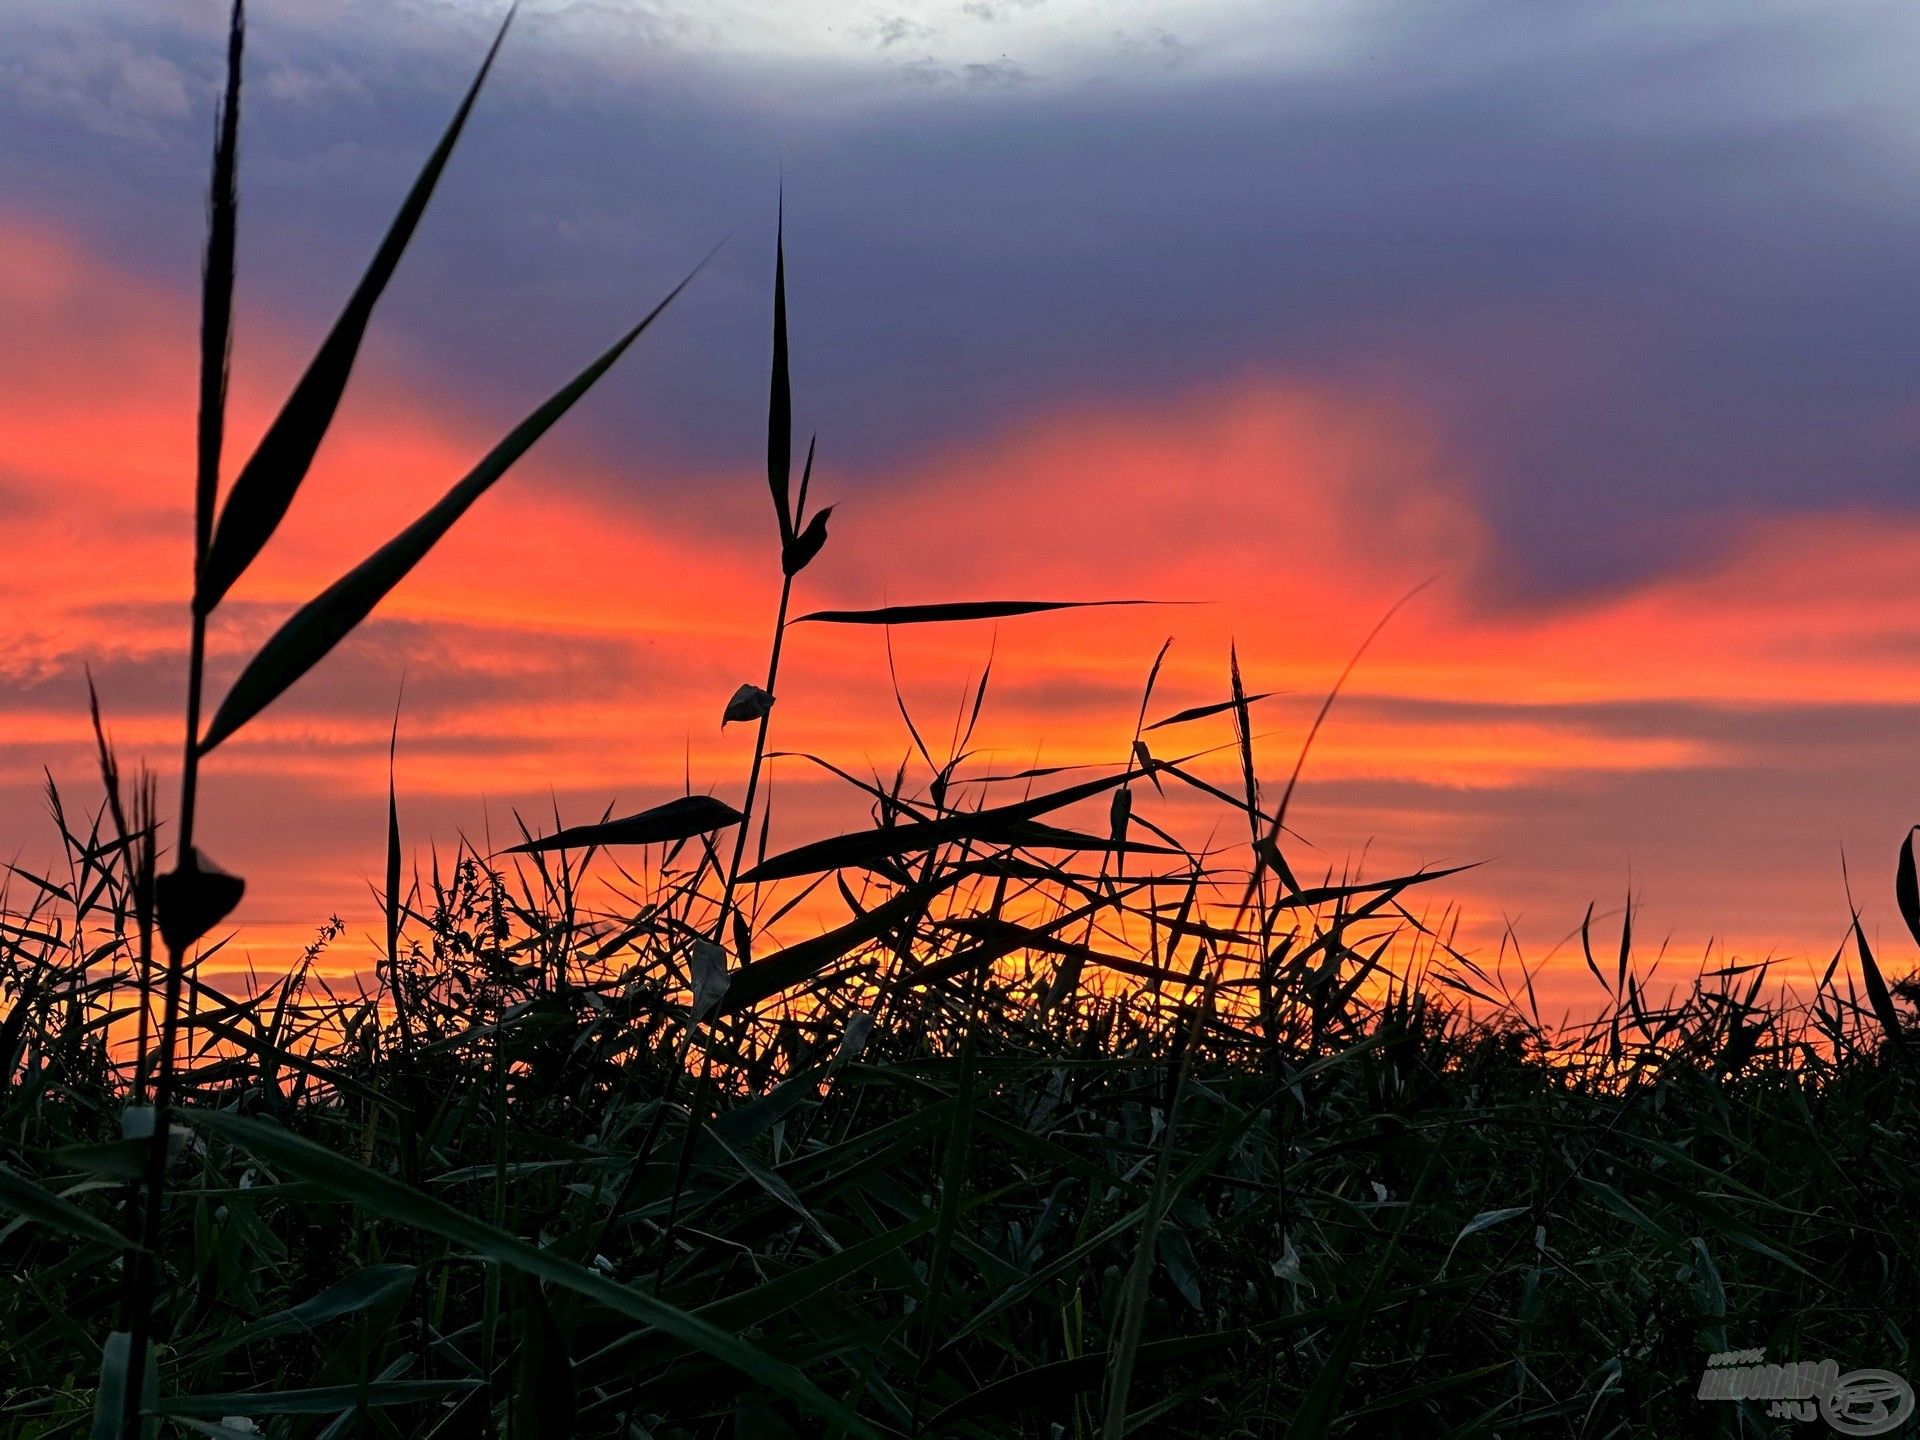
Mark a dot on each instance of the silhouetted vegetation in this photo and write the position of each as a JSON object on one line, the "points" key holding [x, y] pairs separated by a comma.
{"points": [[1018, 1112]]}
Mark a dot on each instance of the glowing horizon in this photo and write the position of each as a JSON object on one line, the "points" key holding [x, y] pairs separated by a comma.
{"points": [[532, 677], [1658, 652]]}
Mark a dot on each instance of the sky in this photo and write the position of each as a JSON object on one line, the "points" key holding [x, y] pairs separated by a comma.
{"points": [[1598, 321]]}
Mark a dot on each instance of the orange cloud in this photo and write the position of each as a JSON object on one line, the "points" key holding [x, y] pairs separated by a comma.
{"points": [[1716, 733]]}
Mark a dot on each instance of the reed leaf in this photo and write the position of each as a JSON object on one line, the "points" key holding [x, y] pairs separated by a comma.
{"points": [[955, 610], [1006, 824], [679, 819], [263, 491], [216, 291], [397, 1203], [780, 391], [43, 1207], [330, 617]]}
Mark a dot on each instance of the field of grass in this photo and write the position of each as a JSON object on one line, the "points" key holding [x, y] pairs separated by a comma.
{"points": [[1014, 1113]]}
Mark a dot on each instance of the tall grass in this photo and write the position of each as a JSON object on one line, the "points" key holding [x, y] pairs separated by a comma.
{"points": [[1059, 1123]]}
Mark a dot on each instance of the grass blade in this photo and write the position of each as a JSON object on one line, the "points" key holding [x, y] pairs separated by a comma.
{"points": [[806, 958], [326, 620], [42, 1206], [395, 1202], [1201, 712], [952, 610], [1877, 993], [318, 1400], [114, 1405], [362, 1290], [780, 392], [1906, 886], [1005, 824], [680, 819], [216, 292], [264, 489]]}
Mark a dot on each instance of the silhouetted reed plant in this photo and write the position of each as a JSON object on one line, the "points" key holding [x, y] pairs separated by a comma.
{"points": [[1057, 1124]]}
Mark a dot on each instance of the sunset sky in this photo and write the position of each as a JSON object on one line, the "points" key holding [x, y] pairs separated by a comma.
{"points": [[1602, 318]]}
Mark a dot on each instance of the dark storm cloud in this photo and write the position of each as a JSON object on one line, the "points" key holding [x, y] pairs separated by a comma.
{"points": [[1645, 267]]}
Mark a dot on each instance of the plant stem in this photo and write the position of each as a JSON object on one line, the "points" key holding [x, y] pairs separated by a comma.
{"points": [[145, 1259], [652, 1135], [759, 757]]}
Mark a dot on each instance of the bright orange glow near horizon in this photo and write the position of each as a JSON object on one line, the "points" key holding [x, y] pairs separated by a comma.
{"points": [[565, 648]]}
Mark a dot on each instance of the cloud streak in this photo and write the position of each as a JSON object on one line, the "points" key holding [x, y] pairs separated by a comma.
{"points": [[1712, 737]]}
